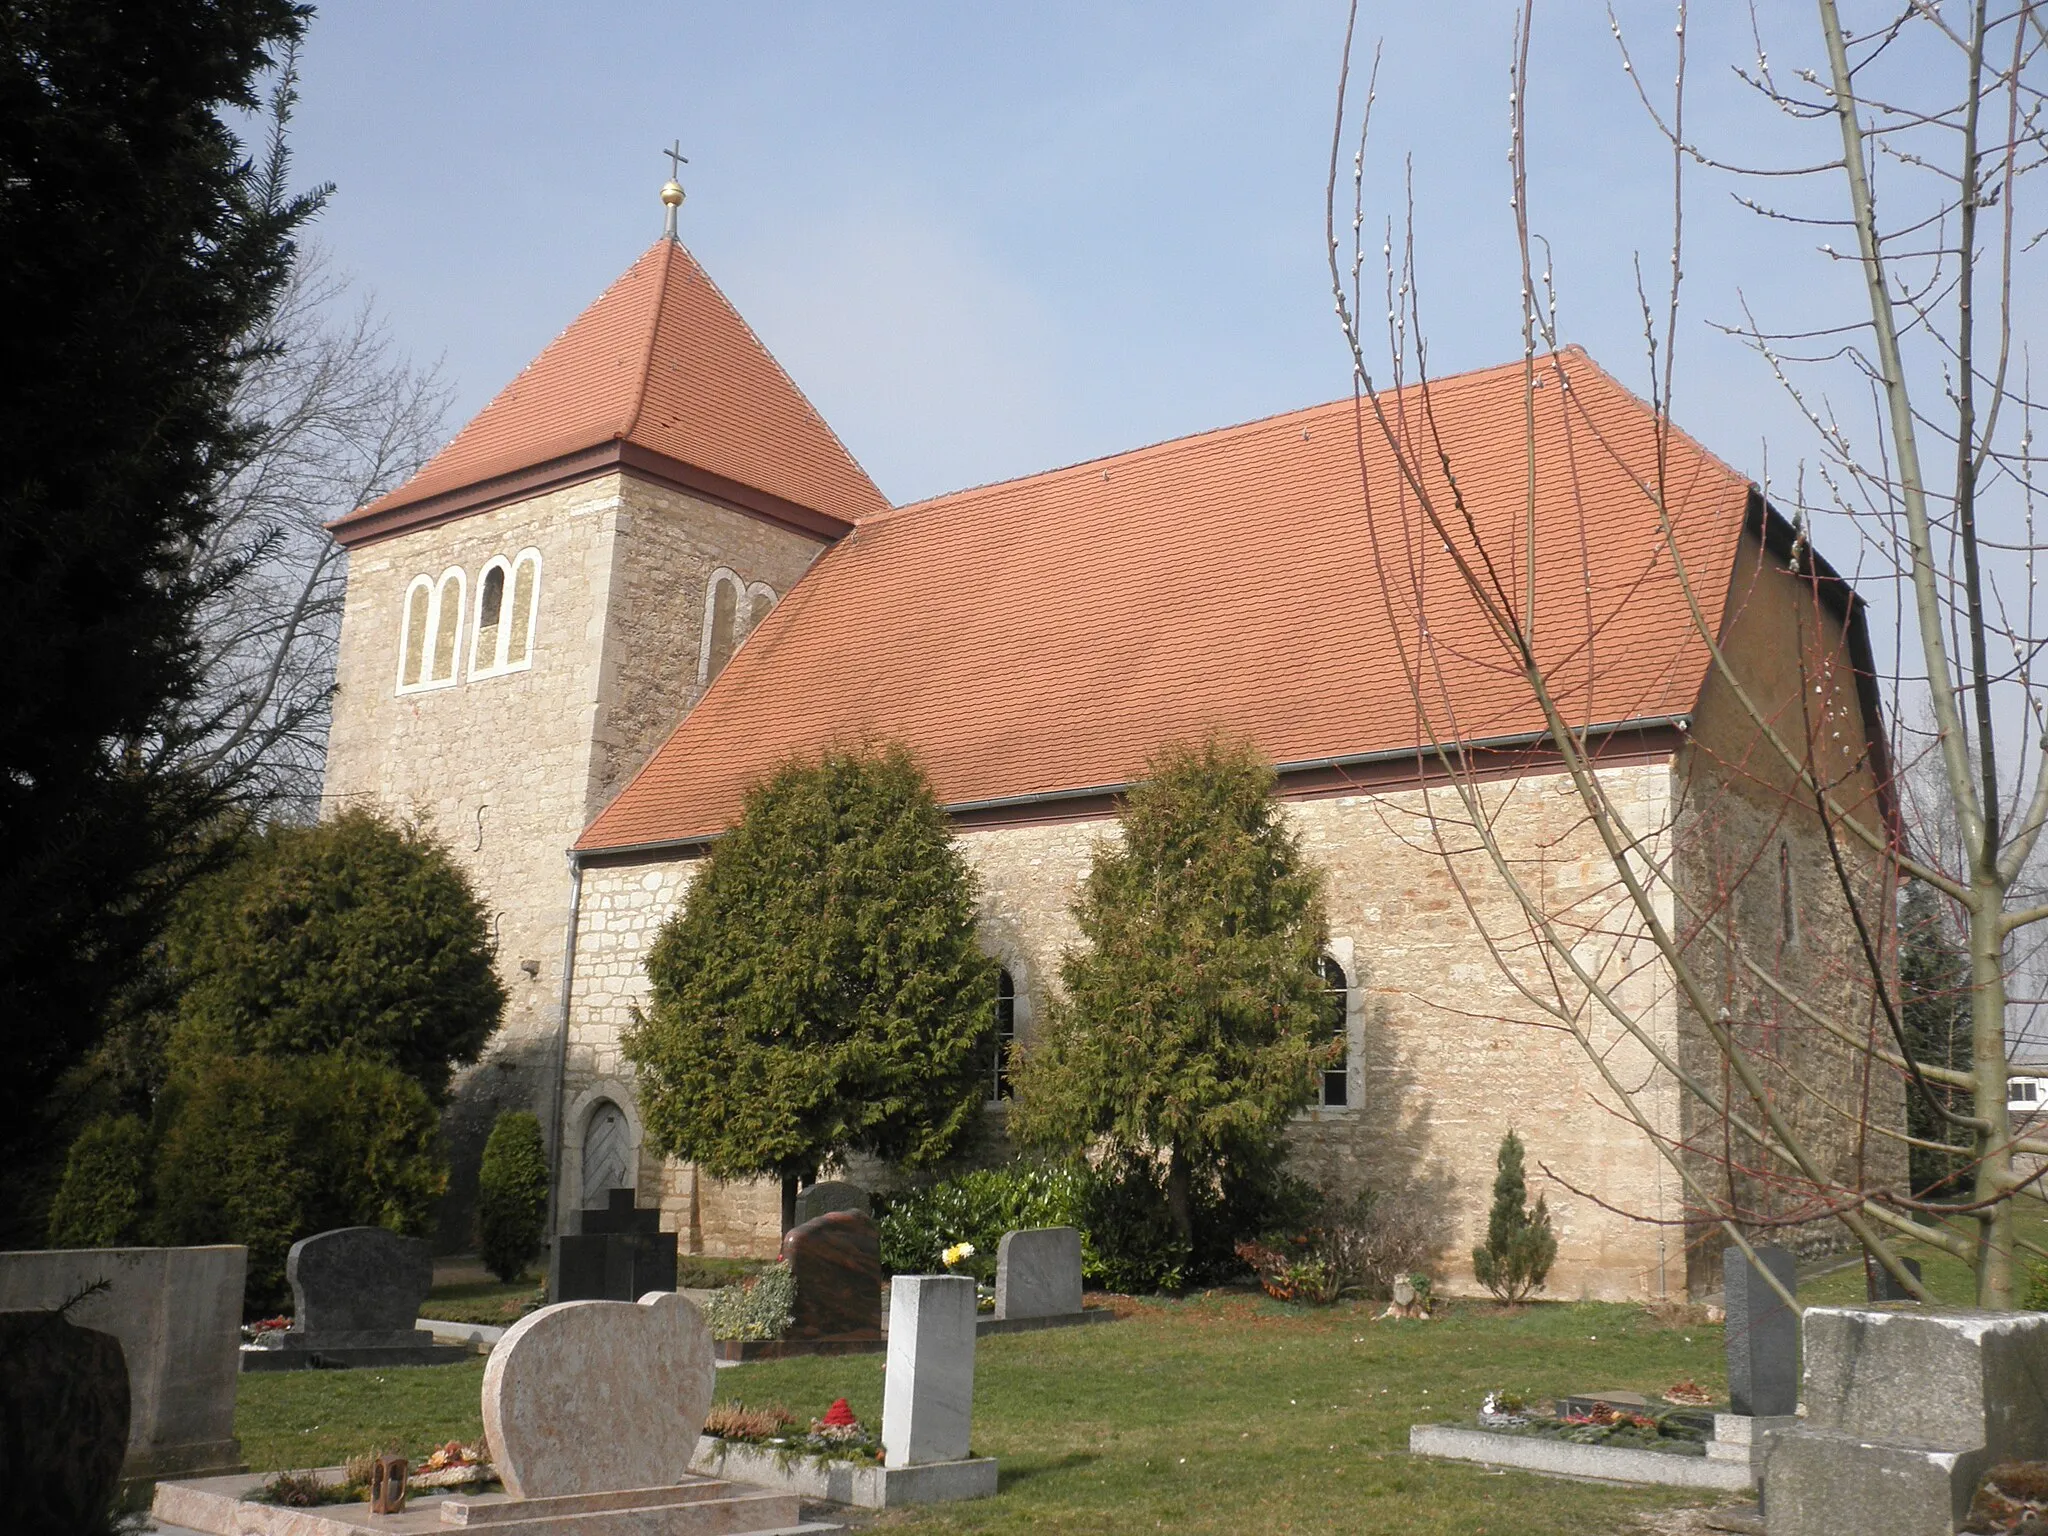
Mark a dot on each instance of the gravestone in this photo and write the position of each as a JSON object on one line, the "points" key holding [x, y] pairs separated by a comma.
{"points": [[928, 1391], [836, 1261], [1038, 1273], [618, 1253], [1762, 1334], [1905, 1412], [357, 1293], [830, 1195], [593, 1396], [63, 1422], [1883, 1287], [177, 1314]]}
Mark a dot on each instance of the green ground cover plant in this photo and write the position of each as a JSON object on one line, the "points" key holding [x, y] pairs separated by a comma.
{"points": [[1185, 1415]]}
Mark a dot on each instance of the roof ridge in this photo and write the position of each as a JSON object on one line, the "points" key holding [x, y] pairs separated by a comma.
{"points": [[654, 313], [1228, 430]]}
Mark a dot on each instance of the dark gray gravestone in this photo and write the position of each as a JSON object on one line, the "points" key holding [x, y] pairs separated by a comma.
{"points": [[1883, 1287], [831, 1195], [357, 1294], [620, 1254], [1763, 1335], [63, 1423]]}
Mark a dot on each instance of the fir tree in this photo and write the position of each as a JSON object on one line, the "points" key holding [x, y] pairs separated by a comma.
{"points": [[820, 992], [1519, 1247], [138, 251], [1934, 1012], [1193, 1019]]}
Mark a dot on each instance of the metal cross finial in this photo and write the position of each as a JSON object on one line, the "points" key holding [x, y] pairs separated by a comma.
{"points": [[672, 194]]}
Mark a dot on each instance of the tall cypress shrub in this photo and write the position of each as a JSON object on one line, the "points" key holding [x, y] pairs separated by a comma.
{"points": [[512, 1195], [1519, 1249]]}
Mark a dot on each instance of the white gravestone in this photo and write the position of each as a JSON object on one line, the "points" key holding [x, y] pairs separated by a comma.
{"points": [[1038, 1273], [598, 1396], [928, 1393]]}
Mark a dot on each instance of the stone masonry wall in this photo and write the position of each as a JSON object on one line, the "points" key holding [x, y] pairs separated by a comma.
{"points": [[509, 769], [1446, 1056]]}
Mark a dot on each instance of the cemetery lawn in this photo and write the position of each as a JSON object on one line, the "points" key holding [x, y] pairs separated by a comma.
{"points": [[1225, 1412], [489, 1302], [1948, 1279]]}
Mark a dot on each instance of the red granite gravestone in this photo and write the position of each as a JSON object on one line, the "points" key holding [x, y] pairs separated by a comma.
{"points": [[836, 1260]]}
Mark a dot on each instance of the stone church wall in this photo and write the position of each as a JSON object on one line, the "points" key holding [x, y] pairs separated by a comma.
{"points": [[509, 769], [1766, 890], [1445, 1054]]}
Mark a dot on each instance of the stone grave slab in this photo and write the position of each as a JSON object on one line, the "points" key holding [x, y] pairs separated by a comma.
{"points": [[1883, 1286], [928, 1386], [831, 1195], [1038, 1273], [177, 1314], [1905, 1411], [1762, 1334], [357, 1293]]}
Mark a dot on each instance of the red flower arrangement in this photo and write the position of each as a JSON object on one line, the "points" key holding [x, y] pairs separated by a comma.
{"points": [[839, 1415]]}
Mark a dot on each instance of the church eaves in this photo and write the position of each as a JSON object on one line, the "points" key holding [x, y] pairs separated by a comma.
{"points": [[1043, 637], [660, 376]]}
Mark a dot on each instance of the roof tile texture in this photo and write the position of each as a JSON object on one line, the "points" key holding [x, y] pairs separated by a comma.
{"points": [[1050, 633], [664, 361]]}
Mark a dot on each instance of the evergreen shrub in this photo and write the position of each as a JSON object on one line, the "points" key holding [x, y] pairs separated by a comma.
{"points": [[266, 1150], [100, 1203], [350, 935], [512, 1195], [978, 1207], [762, 1306], [1519, 1247], [822, 990]]}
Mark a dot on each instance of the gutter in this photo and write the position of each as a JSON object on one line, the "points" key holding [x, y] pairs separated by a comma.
{"points": [[673, 845]]}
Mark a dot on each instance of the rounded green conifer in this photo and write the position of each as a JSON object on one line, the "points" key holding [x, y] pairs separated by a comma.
{"points": [[820, 992], [1193, 1020]]}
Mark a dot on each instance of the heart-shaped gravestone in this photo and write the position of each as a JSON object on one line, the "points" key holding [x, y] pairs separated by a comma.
{"points": [[597, 1396]]}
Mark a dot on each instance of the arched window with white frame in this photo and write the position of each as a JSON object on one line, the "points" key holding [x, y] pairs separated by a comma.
{"points": [[760, 598], [444, 627], [412, 638], [524, 618], [507, 602], [725, 596]]}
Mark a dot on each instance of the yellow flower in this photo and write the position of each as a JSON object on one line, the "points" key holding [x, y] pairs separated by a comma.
{"points": [[956, 1253]]}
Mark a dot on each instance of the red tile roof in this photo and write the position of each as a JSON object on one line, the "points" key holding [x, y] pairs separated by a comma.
{"points": [[661, 361], [1050, 633]]}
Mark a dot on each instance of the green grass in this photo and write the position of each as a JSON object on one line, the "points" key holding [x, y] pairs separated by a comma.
{"points": [[702, 1272], [1948, 1279], [1222, 1413], [490, 1302], [291, 1419]]}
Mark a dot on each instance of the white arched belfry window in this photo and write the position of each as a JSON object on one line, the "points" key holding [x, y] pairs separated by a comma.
{"points": [[507, 608], [430, 639], [725, 598], [760, 598], [412, 638]]}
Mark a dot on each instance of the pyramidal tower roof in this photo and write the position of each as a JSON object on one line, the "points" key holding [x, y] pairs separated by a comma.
{"points": [[662, 376]]}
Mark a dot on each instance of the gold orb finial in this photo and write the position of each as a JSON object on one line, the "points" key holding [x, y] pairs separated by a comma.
{"points": [[672, 190]]}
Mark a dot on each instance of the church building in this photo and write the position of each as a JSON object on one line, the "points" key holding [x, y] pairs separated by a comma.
{"points": [[648, 572]]}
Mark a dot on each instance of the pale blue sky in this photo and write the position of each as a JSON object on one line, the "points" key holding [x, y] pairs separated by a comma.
{"points": [[990, 241]]}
